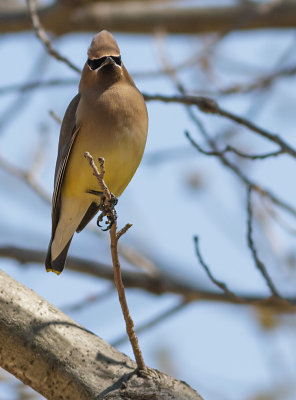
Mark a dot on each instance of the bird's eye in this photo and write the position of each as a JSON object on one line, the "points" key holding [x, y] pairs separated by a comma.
{"points": [[96, 62], [117, 60]]}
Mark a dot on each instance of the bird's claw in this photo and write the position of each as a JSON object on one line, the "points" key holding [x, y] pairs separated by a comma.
{"points": [[108, 210]]}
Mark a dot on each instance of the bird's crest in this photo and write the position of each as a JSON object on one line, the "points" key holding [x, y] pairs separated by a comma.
{"points": [[103, 45]]}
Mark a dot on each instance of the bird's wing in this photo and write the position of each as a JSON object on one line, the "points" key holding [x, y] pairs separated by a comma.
{"points": [[69, 131]]}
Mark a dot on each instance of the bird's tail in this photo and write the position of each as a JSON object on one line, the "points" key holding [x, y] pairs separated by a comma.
{"points": [[57, 265]]}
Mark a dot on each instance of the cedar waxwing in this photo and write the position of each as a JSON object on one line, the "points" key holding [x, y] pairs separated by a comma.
{"points": [[108, 118]]}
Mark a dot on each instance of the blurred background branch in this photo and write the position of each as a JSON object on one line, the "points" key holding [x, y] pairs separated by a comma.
{"points": [[140, 17]]}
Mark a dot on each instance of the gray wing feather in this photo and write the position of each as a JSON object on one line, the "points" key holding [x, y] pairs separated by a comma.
{"points": [[69, 131]]}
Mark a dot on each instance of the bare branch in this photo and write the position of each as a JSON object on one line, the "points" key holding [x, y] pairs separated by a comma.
{"points": [[259, 264], [286, 148], [205, 104], [256, 187], [42, 36], [157, 285], [114, 236], [231, 149], [123, 231], [221, 285], [65, 17], [210, 106]]}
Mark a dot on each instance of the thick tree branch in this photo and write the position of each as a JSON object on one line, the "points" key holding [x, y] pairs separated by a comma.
{"points": [[62, 360], [67, 17]]}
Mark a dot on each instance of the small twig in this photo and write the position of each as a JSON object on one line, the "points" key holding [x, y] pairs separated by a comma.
{"points": [[259, 264], [216, 282], [262, 132], [210, 106], [123, 230], [114, 237], [121, 294], [231, 149], [42, 36], [253, 156], [55, 117], [256, 187]]}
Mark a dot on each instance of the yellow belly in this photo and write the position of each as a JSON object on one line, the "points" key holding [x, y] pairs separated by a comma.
{"points": [[122, 156]]}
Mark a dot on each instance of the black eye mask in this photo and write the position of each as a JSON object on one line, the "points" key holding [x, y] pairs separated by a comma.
{"points": [[97, 62]]}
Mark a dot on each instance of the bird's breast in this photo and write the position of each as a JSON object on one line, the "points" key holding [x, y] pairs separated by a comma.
{"points": [[113, 125]]}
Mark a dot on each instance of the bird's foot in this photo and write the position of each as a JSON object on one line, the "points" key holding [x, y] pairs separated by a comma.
{"points": [[108, 210]]}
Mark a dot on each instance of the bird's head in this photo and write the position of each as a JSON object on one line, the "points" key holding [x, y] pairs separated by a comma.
{"points": [[103, 66], [103, 53]]}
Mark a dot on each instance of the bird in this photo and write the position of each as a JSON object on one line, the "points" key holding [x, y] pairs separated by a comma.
{"points": [[107, 118]]}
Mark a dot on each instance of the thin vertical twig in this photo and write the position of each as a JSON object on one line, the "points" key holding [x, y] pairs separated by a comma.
{"points": [[221, 285], [114, 238], [259, 264], [160, 318]]}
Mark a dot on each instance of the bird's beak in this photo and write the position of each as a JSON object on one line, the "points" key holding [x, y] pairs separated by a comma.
{"points": [[108, 61]]}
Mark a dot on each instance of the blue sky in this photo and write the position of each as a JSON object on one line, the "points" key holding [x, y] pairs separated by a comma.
{"points": [[218, 349]]}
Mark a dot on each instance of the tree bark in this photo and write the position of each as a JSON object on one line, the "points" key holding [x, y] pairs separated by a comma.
{"points": [[60, 359], [141, 17]]}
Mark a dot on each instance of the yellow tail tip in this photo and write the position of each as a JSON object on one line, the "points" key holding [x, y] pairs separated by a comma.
{"points": [[53, 270]]}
